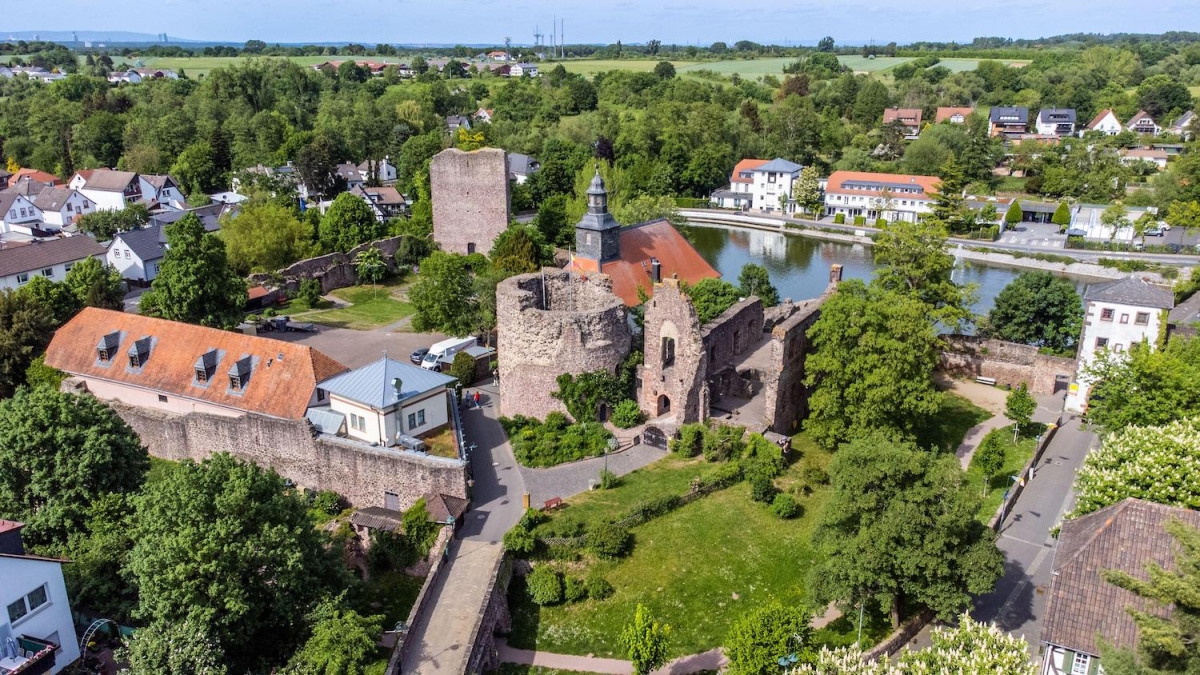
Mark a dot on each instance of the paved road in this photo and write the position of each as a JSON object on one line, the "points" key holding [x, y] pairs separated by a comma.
{"points": [[571, 479], [1018, 603], [356, 348], [496, 496]]}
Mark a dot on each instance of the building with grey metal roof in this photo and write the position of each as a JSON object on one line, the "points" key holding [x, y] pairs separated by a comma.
{"points": [[388, 402], [1134, 291]]}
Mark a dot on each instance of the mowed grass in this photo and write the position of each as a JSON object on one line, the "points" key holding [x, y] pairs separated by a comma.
{"points": [[1016, 455], [590, 67], [369, 308], [198, 66], [957, 417]]}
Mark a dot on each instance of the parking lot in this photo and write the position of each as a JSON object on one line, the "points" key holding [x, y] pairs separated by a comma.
{"points": [[1043, 235], [354, 348]]}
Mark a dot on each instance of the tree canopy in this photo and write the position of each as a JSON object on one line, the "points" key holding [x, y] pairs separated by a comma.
{"points": [[755, 280], [913, 261], [348, 223], [1159, 464], [195, 283], [712, 297], [1146, 386], [1039, 309], [266, 237], [759, 638], [444, 296]]}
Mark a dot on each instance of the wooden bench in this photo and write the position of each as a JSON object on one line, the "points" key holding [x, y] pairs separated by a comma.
{"points": [[552, 503], [990, 381]]}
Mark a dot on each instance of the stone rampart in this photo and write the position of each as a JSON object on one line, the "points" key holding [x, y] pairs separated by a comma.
{"points": [[1009, 363], [333, 270], [358, 472], [470, 199], [728, 336]]}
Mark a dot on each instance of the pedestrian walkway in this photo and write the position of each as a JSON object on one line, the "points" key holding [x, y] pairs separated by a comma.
{"points": [[711, 660]]}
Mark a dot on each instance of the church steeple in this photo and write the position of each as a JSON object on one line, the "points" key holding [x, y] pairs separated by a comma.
{"points": [[598, 234]]}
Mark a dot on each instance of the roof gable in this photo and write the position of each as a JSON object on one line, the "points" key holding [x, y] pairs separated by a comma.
{"points": [[1133, 291], [46, 253], [656, 239], [108, 180], [746, 166]]}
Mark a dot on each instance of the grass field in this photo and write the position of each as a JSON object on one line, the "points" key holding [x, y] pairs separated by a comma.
{"points": [[369, 308], [957, 417], [1015, 457], [201, 65]]}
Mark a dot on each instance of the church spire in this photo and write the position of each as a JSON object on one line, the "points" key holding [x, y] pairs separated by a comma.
{"points": [[598, 234]]}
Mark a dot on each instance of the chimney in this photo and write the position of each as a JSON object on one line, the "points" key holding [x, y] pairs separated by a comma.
{"points": [[10, 537], [655, 271], [398, 385], [835, 274]]}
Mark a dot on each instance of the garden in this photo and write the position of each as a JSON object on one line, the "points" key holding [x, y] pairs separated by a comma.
{"points": [[366, 306]]}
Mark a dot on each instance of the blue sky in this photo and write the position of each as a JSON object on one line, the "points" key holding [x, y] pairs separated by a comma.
{"points": [[602, 21]]}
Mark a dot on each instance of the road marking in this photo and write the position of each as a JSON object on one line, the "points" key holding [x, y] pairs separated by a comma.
{"points": [[1023, 541]]}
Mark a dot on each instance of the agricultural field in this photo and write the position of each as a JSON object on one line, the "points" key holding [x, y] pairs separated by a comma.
{"points": [[199, 66], [758, 67]]}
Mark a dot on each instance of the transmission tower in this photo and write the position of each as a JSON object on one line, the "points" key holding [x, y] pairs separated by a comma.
{"points": [[537, 36]]}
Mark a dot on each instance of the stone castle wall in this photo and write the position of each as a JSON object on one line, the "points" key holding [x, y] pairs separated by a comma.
{"points": [[333, 270], [671, 316], [970, 356], [783, 385], [554, 322], [358, 472], [471, 198], [728, 336]]}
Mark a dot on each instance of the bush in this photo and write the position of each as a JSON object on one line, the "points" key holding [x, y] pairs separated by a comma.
{"points": [[545, 586], [608, 480], [555, 441], [532, 518], [860, 220], [766, 453], [608, 540], [720, 477], [327, 501], [463, 368], [597, 586], [723, 443], [519, 540], [310, 293], [881, 222], [626, 414], [762, 488], [691, 437], [840, 219], [574, 589], [814, 475], [784, 506], [654, 508]]}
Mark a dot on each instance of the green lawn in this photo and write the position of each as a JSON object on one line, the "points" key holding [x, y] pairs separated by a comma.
{"points": [[369, 307], [957, 417], [697, 568], [390, 593], [590, 67], [1011, 184], [1016, 455]]}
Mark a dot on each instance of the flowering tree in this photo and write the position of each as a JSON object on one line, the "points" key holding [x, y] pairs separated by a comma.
{"points": [[1159, 464]]}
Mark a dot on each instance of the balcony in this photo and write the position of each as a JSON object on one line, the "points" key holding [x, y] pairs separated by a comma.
{"points": [[33, 657]]}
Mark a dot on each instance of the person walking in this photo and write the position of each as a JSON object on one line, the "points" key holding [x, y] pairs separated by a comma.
{"points": [[476, 398]]}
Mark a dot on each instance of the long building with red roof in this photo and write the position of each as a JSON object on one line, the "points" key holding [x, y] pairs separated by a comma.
{"points": [[879, 195]]}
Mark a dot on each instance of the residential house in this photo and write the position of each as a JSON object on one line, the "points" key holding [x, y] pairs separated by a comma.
{"points": [[349, 173], [909, 118], [1055, 122], [137, 254], [156, 73], [1037, 212], [771, 188], [521, 167], [109, 189], [1182, 126], [503, 70], [130, 76], [382, 171], [1106, 122], [879, 195], [35, 175], [62, 206], [456, 122], [50, 258], [484, 114], [162, 190], [1009, 122], [1117, 315], [37, 612], [4, 178], [1184, 319], [499, 56], [1143, 123], [1084, 610], [952, 115], [19, 214], [523, 70], [210, 216], [740, 193], [386, 202], [386, 400], [1130, 156], [5, 71], [184, 368]]}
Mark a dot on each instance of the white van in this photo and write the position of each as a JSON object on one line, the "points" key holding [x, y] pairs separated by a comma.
{"points": [[441, 355]]}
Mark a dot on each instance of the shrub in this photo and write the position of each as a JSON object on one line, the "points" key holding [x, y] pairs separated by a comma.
{"points": [[269, 312], [608, 540], [764, 452], [762, 489], [691, 437], [532, 518], [597, 586], [545, 586], [608, 480], [720, 477], [654, 508], [723, 443], [463, 368], [860, 220], [626, 414], [574, 589], [555, 441], [310, 293], [814, 475], [519, 540], [784, 506], [840, 219], [327, 501], [881, 222]]}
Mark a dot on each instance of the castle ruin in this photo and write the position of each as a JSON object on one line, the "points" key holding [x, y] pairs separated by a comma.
{"points": [[471, 199]]}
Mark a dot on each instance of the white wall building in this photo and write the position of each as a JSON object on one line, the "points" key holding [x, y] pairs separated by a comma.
{"points": [[387, 399], [37, 612], [772, 184], [740, 193], [879, 195], [19, 214], [1117, 315], [163, 189], [110, 190], [62, 206], [51, 258], [1086, 222], [1106, 122], [137, 254]]}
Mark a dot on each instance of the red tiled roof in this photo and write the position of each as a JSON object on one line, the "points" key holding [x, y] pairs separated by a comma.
{"points": [[656, 239], [10, 525], [904, 115], [281, 389], [946, 113], [928, 184], [39, 176], [1100, 116], [746, 165]]}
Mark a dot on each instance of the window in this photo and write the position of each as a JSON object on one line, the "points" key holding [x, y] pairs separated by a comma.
{"points": [[102, 355], [320, 394], [38, 597], [162, 399], [1124, 318], [201, 375], [1106, 315], [416, 419], [134, 361], [127, 254], [23, 278], [48, 272], [68, 266], [31, 601], [235, 382], [12, 213], [1081, 664], [1142, 318], [358, 422], [1118, 348], [22, 213], [470, 247], [17, 610], [1101, 343]]}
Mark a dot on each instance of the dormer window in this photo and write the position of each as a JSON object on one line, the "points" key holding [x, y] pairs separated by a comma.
{"points": [[201, 375], [206, 366], [106, 349], [139, 352], [239, 373]]}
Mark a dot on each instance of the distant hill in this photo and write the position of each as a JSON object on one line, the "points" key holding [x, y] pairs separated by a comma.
{"points": [[66, 36]]}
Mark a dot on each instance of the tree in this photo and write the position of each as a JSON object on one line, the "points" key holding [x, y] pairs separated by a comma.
{"points": [[551, 222], [901, 528], [369, 265], [342, 642], [1115, 216], [1019, 407], [645, 641], [870, 103], [194, 282], [348, 223], [54, 298], [518, 250], [96, 284], [1013, 216], [252, 522], [266, 237], [711, 297], [1062, 215], [872, 366], [970, 647], [169, 648], [645, 208], [1145, 387], [444, 297], [949, 206], [1158, 95], [806, 192], [25, 330], [59, 453], [104, 224], [1039, 309], [1154, 463], [463, 368], [989, 457], [755, 280], [1185, 215], [914, 262], [664, 70], [1166, 644], [758, 639], [825, 44], [197, 170], [316, 163]]}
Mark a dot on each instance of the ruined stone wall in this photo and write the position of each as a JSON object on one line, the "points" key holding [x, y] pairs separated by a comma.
{"points": [[728, 336], [470, 199], [970, 356], [496, 619], [333, 270], [554, 322], [786, 394], [358, 472], [670, 315]]}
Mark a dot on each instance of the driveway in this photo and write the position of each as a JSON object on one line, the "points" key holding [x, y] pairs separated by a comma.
{"points": [[1034, 235], [356, 348], [498, 489]]}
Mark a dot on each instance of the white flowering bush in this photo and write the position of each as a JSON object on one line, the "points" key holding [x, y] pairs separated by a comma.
{"points": [[1158, 464], [971, 648]]}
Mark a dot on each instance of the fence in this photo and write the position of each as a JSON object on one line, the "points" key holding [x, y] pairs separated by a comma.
{"points": [[1018, 487], [1120, 246]]}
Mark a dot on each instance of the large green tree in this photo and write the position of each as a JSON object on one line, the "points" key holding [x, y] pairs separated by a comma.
{"points": [[60, 453], [341, 642], [1039, 309], [174, 648], [913, 261], [758, 639], [1159, 464], [266, 237], [444, 295], [25, 329], [712, 297], [348, 223], [248, 576], [875, 351], [755, 280], [1147, 386], [96, 284], [195, 283], [901, 529], [518, 250]]}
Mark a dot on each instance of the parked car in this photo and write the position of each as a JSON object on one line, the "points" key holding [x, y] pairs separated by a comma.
{"points": [[418, 355], [1155, 232], [1076, 232]]}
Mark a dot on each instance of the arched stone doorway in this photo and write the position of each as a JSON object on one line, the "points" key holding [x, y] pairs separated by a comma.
{"points": [[664, 405], [603, 411]]}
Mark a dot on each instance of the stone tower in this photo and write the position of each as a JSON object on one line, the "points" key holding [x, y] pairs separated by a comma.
{"points": [[470, 194], [598, 234]]}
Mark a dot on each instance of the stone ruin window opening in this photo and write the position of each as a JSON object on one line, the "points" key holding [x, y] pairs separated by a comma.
{"points": [[664, 405], [470, 247], [668, 352]]}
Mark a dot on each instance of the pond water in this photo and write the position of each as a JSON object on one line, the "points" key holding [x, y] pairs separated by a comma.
{"points": [[799, 266]]}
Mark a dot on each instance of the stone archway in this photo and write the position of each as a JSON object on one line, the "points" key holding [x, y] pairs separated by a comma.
{"points": [[603, 411], [664, 405]]}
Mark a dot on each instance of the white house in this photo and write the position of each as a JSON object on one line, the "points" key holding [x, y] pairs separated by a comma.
{"points": [[19, 214], [384, 170], [484, 114], [62, 206], [156, 73], [740, 193], [37, 611], [1055, 122], [137, 254], [521, 167], [523, 70], [387, 399], [1182, 126], [1157, 157], [130, 76], [50, 258], [163, 190], [109, 189], [1143, 123], [879, 195], [1106, 122], [772, 184], [1117, 315]]}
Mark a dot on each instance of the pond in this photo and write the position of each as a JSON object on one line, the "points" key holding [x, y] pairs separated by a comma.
{"points": [[799, 266]]}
